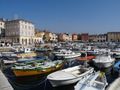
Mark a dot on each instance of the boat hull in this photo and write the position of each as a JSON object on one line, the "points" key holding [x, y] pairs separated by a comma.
{"points": [[104, 65], [20, 73], [24, 55], [66, 81], [56, 83], [68, 56]]}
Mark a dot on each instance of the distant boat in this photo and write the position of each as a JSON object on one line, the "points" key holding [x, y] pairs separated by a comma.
{"points": [[67, 54], [59, 51], [36, 67], [86, 58], [103, 61], [43, 49], [69, 75], [9, 61], [26, 55], [116, 53], [94, 81]]}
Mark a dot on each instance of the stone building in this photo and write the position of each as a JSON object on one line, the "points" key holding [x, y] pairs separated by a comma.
{"points": [[101, 38], [98, 38], [113, 36], [20, 31]]}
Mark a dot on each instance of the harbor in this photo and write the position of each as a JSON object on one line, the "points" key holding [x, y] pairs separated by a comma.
{"points": [[60, 45], [35, 69]]}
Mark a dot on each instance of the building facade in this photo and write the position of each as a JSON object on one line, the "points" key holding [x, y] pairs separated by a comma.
{"points": [[20, 31], [39, 37], [64, 37], [113, 36], [74, 37], [2, 28], [101, 38], [54, 37], [85, 37], [93, 38], [98, 38]]}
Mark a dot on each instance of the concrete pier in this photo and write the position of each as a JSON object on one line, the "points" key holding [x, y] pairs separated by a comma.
{"points": [[115, 85], [4, 84]]}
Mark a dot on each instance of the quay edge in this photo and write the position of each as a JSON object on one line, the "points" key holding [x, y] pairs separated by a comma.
{"points": [[4, 84]]}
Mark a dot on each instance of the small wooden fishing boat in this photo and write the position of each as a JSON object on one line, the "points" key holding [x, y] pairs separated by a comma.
{"points": [[36, 67]]}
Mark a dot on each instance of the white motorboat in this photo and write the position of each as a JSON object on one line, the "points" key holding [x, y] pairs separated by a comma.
{"points": [[68, 54], [59, 51], [69, 75], [94, 81], [116, 53], [103, 61], [9, 61]]}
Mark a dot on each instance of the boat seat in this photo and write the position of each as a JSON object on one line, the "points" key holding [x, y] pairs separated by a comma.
{"points": [[99, 82], [76, 72]]}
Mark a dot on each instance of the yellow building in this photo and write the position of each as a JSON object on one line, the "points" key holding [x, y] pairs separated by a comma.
{"points": [[38, 37], [50, 37]]}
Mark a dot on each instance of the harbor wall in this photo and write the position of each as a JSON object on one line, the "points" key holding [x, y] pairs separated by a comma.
{"points": [[4, 83]]}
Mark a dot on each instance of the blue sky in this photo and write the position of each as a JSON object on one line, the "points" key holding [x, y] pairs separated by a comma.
{"points": [[72, 16]]}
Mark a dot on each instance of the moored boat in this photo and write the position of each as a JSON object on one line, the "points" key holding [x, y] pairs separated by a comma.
{"points": [[6, 62], [26, 55], [67, 54], [94, 81], [69, 75], [36, 67], [86, 58], [43, 49], [103, 61]]}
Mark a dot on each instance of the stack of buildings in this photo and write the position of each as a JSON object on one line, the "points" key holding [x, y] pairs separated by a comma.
{"points": [[24, 32]]}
